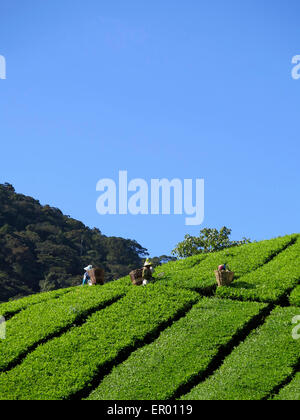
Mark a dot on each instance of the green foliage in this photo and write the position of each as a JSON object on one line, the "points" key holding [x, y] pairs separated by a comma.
{"points": [[62, 342], [163, 259], [209, 240], [67, 364], [197, 272], [295, 297], [257, 366], [41, 249], [10, 308], [182, 351], [36, 324], [269, 282], [290, 392]]}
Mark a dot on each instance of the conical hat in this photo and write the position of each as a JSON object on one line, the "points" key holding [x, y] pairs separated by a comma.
{"points": [[147, 263]]}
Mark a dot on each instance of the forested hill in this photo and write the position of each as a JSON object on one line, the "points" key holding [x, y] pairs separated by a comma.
{"points": [[41, 249]]}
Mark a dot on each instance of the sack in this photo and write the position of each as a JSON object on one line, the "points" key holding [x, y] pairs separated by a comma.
{"points": [[224, 278], [136, 277], [97, 276]]}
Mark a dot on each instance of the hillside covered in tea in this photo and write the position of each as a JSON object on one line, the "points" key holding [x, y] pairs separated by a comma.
{"points": [[180, 337]]}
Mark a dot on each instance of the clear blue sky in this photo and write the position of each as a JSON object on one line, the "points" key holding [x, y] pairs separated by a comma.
{"points": [[185, 89]]}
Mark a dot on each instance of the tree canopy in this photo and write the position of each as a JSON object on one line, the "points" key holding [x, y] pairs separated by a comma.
{"points": [[209, 240], [41, 249]]}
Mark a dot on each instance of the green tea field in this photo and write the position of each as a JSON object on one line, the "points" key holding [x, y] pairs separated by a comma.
{"points": [[178, 338]]}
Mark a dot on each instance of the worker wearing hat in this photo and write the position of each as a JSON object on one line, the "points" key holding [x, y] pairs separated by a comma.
{"points": [[86, 277], [147, 272]]}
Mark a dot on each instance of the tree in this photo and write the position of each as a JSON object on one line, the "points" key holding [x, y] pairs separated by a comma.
{"points": [[163, 259], [209, 240], [42, 249]]}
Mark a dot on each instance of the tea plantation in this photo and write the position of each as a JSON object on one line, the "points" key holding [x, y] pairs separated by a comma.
{"points": [[179, 338]]}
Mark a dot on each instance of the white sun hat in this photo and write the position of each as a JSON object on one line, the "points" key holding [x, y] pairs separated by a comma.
{"points": [[88, 268]]}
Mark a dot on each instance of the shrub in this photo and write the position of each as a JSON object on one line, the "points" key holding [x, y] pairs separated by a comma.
{"points": [[291, 391], [242, 260], [183, 351], [257, 366], [269, 282], [68, 364], [39, 322], [8, 309], [295, 297]]}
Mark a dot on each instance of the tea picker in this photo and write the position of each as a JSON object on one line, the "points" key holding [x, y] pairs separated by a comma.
{"points": [[142, 276], [224, 276], [147, 272], [86, 277], [93, 276]]}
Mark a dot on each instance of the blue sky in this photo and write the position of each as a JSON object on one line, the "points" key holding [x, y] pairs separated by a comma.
{"points": [[174, 89]]}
